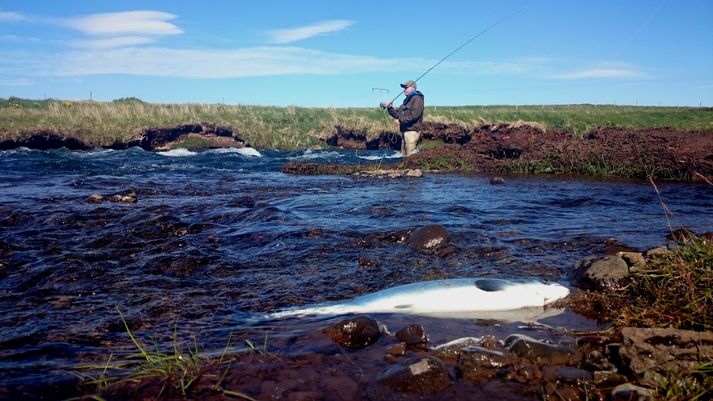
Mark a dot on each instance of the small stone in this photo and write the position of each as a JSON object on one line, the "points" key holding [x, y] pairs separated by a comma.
{"points": [[414, 336], [630, 392], [397, 349]]}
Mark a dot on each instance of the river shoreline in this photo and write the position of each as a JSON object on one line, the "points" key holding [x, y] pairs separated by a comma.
{"points": [[657, 153]]}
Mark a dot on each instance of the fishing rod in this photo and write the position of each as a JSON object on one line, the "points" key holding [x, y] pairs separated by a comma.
{"points": [[460, 47]]}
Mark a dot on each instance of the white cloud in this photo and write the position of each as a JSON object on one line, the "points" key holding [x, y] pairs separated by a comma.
{"points": [[10, 16], [119, 41], [320, 28], [602, 73], [125, 23], [16, 82], [190, 63]]}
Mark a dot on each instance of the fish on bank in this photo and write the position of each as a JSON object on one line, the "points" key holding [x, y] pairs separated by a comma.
{"points": [[478, 298]]}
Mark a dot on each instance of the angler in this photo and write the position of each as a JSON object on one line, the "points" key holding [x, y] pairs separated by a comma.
{"points": [[409, 117]]}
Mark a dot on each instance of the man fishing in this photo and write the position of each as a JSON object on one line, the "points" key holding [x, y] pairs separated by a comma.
{"points": [[409, 117]]}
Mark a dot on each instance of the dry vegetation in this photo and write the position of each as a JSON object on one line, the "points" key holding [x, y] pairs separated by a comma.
{"points": [[289, 128]]}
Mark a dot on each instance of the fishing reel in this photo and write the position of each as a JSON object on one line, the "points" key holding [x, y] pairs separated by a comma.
{"points": [[382, 105]]}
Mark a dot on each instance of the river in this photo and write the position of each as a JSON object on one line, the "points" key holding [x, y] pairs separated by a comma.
{"points": [[219, 237]]}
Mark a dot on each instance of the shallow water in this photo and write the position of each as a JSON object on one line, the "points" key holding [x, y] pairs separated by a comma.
{"points": [[219, 237]]}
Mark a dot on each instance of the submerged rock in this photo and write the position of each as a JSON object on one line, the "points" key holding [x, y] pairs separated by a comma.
{"points": [[428, 239], [357, 332], [477, 364], [452, 349], [539, 352]]}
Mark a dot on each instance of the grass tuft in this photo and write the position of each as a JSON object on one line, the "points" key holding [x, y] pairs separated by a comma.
{"points": [[181, 373], [675, 290]]}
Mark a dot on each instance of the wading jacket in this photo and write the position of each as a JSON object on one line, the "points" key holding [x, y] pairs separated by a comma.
{"points": [[410, 113]]}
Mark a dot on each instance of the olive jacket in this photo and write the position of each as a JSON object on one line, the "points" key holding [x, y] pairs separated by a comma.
{"points": [[410, 113]]}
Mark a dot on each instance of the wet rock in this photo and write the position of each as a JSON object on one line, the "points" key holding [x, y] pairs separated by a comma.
{"points": [[646, 351], [634, 260], [596, 274], [452, 349], [424, 375], [357, 332], [656, 252], [446, 251], [608, 378], [95, 198], [539, 352], [397, 349], [429, 238], [477, 364], [414, 336], [247, 202], [128, 196], [496, 180], [630, 392], [365, 262], [566, 374]]}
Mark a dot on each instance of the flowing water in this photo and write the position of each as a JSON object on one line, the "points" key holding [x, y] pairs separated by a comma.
{"points": [[219, 237]]}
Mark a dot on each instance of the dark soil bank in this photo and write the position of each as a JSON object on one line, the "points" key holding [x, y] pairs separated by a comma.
{"points": [[660, 153], [204, 135], [608, 151]]}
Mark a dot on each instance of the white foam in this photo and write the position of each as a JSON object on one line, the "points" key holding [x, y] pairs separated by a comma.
{"points": [[246, 151], [317, 154], [394, 155], [180, 152]]}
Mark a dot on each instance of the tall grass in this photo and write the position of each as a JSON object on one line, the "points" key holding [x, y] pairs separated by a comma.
{"points": [[102, 123]]}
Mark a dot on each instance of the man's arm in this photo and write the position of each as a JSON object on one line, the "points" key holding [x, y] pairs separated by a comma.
{"points": [[410, 112]]}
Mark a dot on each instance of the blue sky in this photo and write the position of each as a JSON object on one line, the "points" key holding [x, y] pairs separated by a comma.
{"points": [[333, 54]]}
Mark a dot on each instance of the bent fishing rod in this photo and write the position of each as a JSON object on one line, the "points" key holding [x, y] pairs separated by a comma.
{"points": [[460, 47]]}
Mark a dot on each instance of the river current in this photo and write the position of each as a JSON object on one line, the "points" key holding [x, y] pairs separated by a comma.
{"points": [[219, 237]]}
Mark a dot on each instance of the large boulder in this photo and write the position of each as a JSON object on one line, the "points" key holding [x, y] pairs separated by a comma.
{"points": [[596, 274]]}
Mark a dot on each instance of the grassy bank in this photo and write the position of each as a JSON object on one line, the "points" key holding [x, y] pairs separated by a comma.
{"points": [[103, 123]]}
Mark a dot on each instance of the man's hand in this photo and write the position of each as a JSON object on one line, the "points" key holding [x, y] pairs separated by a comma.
{"points": [[396, 121]]}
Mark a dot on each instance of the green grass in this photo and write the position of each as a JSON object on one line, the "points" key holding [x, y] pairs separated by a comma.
{"points": [[675, 290], [181, 373], [288, 128]]}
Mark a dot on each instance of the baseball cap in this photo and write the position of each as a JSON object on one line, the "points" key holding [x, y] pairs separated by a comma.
{"points": [[409, 83]]}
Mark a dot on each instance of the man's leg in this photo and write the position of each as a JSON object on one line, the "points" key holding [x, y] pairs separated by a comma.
{"points": [[409, 143]]}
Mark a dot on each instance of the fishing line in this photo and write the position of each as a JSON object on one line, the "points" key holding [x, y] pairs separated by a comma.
{"points": [[464, 45]]}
